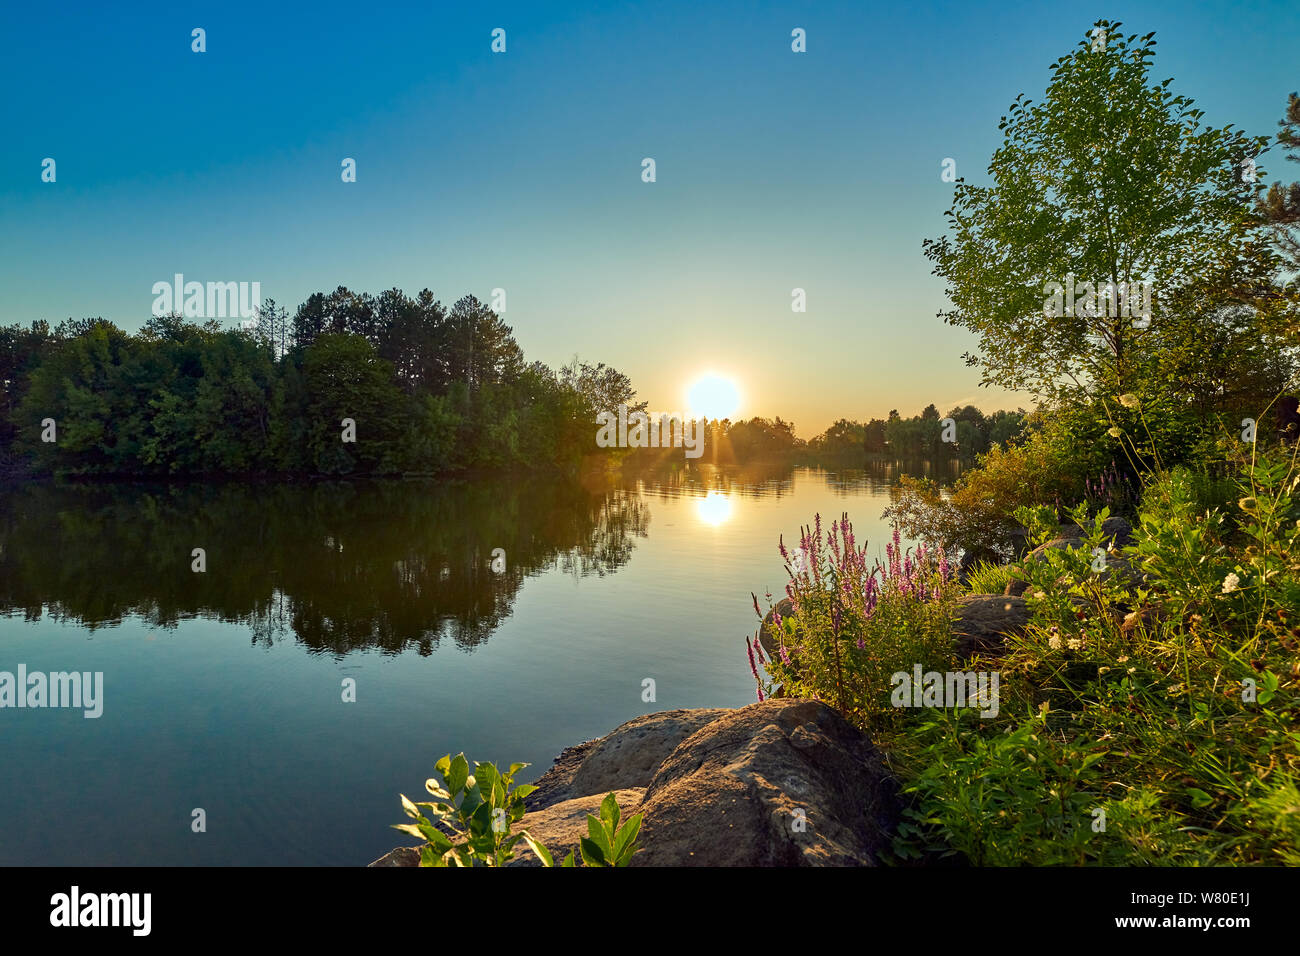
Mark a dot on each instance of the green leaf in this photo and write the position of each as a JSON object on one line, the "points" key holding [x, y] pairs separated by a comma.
{"points": [[609, 813], [570, 860], [1200, 799], [457, 774], [524, 789], [410, 828], [596, 830], [481, 818], [435, 837], [539, 851], [486, 776], [471, 804], [442, 765], [591, 852], [625, 842], [436, 789], [516, 767]]}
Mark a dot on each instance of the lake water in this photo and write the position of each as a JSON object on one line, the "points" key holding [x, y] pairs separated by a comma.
{"points": [[223, 690]]}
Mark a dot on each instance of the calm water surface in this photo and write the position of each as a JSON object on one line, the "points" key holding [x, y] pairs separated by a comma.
{"points": [[223, 690]]}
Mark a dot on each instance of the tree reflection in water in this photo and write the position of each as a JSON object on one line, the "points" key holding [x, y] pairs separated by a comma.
{"points": [[338, 566]]}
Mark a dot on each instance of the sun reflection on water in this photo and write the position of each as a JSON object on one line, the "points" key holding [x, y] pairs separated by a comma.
{"points": [[714, 508]]}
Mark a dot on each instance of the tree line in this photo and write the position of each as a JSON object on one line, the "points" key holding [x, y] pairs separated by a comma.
{"points": [[428, 389], [849, 442]]}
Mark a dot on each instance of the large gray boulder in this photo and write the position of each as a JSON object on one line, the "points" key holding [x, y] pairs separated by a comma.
{"points": [[983, 621], [779, 783], [626, 757]]}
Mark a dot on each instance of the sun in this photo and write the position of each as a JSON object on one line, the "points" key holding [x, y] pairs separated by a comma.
{"points": [[713, 397]]}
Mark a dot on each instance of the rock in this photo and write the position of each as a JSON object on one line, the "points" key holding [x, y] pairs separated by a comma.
{"points": [[969, 559], [766, 634], [1116, 529], [983, 620], [626, 757], [1015, 587], [560, 826], [727, 795], [1118, 532], [402, 856]]}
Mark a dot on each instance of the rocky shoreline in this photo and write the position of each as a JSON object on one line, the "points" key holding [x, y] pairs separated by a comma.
{"points": [[785, 782]]}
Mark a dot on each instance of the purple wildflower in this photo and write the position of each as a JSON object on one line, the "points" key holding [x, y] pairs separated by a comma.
{"points": [[752, 666]]}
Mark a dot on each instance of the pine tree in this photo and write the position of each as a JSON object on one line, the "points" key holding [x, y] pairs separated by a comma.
{"points": [[1280, 207]]}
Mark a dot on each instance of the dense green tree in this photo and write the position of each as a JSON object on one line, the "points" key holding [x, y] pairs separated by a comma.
{"points": [[845, 441], [759, 439], [344, 379], [1111, 179], [1004, 427], [481, 349], [874, 436], [21, 350]]}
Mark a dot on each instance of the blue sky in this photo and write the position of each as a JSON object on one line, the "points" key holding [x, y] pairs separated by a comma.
{"points": [[522, 170]]}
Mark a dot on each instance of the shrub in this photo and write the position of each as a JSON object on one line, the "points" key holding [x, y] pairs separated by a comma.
{"points": [[977, 515], [856, 623], [474, 814], [1145, 719], [988, 578]]}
